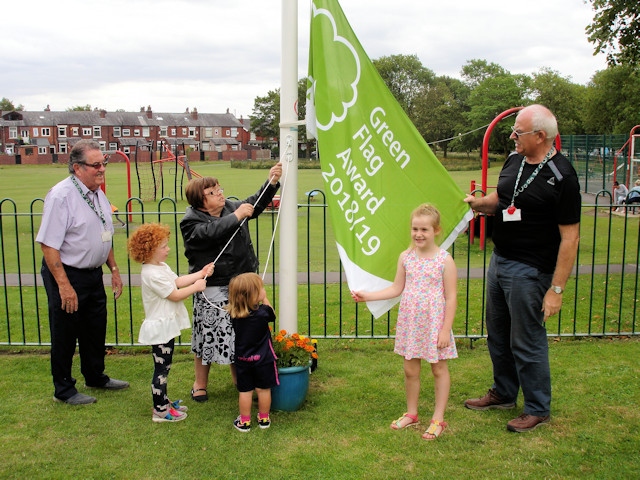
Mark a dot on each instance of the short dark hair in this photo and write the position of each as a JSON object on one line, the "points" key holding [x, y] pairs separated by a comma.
{"points": [[79, 151], [194, 191]]}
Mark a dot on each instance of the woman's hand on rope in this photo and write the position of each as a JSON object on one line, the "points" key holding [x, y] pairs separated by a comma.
{"points": [[244, 211], [275, 173]]}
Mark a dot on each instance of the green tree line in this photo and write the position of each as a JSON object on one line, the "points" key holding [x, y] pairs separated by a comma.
{"points": [[451, 114]]}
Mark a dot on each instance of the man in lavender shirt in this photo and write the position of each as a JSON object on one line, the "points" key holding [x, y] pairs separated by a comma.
{"points": [[75, 237]]}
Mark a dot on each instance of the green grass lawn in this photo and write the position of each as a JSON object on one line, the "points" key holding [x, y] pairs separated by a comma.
{"points": [[341, 432]]}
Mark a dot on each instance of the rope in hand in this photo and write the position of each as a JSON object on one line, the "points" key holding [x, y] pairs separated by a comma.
{"points": [[241, 224], [283, 184]]}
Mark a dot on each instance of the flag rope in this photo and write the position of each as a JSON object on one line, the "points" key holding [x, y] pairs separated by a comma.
{"points": [[466, 133], [283, 184]]}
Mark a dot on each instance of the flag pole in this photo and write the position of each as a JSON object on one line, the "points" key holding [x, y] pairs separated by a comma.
{"points": [[288, 275]]}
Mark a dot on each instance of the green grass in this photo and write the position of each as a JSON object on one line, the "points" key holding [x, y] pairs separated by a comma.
{"points": [[341, 432]]}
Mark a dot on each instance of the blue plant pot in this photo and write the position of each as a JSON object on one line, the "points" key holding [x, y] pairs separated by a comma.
{"points": [[293, 388]]}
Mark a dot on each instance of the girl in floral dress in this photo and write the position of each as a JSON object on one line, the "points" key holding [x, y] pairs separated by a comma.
{"points": [[426, 278]]}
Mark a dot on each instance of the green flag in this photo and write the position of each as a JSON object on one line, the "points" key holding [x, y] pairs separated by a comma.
{"points": [[376, 167]]}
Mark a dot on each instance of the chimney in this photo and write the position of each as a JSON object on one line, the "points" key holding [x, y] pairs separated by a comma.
{"points": [[149, 112], [103, 113], [47, 109], [194, 113]]}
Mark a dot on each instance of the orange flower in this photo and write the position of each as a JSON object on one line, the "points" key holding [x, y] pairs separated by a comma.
{"points": [[293, 350]]}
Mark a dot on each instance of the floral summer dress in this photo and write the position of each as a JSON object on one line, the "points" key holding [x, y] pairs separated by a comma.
{"points": [[421, 312]]}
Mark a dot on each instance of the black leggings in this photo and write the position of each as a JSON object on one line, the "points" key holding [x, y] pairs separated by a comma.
{"points": [[162, 358]]}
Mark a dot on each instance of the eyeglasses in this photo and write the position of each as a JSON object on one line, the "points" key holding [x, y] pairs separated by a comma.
{"points": [[519, 134], [96, 165], [219, 191]]}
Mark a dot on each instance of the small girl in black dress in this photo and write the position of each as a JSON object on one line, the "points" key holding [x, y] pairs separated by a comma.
{"points": [[255, 360]]}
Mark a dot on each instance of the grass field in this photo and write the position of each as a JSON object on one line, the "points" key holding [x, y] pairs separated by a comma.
{"points": [[341, 432], [23, 183]]}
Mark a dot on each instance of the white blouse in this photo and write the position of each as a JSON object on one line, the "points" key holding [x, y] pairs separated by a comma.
{"points": [[163, 318]]}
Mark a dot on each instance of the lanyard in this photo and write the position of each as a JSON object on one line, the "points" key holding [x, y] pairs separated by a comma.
{"points": [[90, 203], [517, 191]]}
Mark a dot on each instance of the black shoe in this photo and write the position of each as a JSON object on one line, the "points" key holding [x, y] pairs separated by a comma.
{"points": [[264, 422], [199, 398], [77, 399], [241, 426], [112, 384]]}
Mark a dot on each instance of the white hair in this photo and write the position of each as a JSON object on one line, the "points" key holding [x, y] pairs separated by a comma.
{"points": [[542, 120]]}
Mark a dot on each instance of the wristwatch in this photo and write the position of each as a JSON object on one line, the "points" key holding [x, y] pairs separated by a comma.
{"points": [[557, 289]]}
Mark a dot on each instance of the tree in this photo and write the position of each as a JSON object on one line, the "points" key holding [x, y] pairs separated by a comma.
{"points": [[265, 118], [491, 97], [612, 101], [6, 105], [485, 80], [406, 78], [474, 72], [439, 111], [565, 99], [79, 108], [616, 30]]}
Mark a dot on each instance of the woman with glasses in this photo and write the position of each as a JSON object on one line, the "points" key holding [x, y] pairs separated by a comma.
{"points": [[215, 229]]}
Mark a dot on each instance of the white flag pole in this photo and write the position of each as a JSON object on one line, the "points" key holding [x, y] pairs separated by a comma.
{"points": [[288, 275]]}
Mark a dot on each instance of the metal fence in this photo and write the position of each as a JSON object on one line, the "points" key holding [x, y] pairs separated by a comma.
{"points": [[594, 158], [601, 299]]}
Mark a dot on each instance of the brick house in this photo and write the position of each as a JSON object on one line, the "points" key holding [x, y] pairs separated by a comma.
{"points": [[45, 137]]}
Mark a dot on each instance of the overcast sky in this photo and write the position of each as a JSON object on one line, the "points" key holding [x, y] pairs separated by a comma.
{"points": [[214, 55]]}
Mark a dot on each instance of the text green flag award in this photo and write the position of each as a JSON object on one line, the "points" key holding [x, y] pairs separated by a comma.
{"points": [[376, 167]]}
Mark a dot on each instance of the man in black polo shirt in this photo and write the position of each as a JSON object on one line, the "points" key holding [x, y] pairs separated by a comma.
{"points": [[535, 234]]}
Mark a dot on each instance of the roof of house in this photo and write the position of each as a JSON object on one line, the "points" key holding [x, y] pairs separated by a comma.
{"points": [[102, 118]]}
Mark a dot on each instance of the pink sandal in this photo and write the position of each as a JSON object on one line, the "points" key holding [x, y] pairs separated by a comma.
{"points": [[397, 424], [432, 432]]}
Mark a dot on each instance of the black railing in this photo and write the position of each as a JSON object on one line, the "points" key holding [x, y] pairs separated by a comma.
{"points": [[601, 299]]}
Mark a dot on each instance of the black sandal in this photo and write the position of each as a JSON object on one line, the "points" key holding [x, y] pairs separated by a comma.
{"points": [[199, 398]]}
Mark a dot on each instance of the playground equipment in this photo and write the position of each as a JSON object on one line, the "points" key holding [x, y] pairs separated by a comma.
{"points": [[633, 158], [151, 166], [150, 173]]}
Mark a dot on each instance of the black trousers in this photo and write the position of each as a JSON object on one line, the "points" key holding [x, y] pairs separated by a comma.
{"points": [[87, 328], [162, 359]]}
